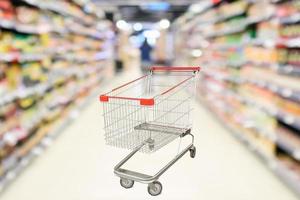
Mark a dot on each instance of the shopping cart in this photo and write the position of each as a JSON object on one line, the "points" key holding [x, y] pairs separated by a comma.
{"points": [[148, 113]]}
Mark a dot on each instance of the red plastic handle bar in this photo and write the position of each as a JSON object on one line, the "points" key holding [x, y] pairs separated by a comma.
{"points": [[177, 69], [143, 101], [216, 1], [128, 83]]}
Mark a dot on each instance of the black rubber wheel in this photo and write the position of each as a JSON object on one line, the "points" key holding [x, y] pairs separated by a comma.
{"points": [[155, 188], [125, 183], [193, 152]]}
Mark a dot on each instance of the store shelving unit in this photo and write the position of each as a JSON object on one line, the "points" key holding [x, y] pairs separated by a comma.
{"points": [[249, 51], [53, 56], [46, 139]]}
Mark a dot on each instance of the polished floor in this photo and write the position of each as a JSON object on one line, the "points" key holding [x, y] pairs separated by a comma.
{"points": [[78, 166]]}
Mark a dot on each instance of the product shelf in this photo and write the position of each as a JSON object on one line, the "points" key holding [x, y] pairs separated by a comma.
{"points": [[292, 19], [284, 116], [249, 77], [275, 165], [58, 7], [287, 176], [44, 139], [239, 28], [279, 43], [292, 150], [46, 72], [42, 29]]}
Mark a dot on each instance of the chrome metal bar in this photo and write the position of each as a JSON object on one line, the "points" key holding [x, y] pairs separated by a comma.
{"points": [[144, 178], [172, 162], [161, 128], [122, 162]]}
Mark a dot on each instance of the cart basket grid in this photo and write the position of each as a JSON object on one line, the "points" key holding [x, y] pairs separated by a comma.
{"points": [[153, 109]]}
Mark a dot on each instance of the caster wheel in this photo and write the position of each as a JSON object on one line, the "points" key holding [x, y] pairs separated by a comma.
{"points": [[155, 188], [193, 152], [125, 183]]}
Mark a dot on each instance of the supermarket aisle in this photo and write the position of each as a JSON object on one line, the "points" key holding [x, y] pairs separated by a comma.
{"points": [[78, 166]]}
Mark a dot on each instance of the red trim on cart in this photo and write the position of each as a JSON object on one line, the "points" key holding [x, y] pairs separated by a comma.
{"points": [[147, 102], [216, 1], [143, 101], [175, 69], [150, 101], [128, 83], [103, 98], [175, 86]]}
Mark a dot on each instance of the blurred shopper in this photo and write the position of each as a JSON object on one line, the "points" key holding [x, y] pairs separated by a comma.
{"points": [[118, 61], [146, 50]]}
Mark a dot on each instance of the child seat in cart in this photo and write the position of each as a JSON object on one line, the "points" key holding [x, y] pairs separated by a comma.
{"points": [[148, 113]]}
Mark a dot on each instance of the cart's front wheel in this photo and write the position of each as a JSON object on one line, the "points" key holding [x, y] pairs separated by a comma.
{"points": [[193, 152], [125, 183], [155, 188]]}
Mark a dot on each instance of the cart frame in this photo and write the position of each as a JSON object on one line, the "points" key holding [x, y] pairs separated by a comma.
{"points": [[143, 178], [127, 177]]}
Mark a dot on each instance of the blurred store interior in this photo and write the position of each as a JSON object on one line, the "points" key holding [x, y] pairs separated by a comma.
{"points": [[58, 56]]}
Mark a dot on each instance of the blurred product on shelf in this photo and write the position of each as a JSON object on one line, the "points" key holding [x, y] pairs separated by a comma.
{"points": [[251, 59], [50, 62], [6, 10]]}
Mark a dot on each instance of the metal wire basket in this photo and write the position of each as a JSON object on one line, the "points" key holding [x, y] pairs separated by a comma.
{"points": [[154, 108]]}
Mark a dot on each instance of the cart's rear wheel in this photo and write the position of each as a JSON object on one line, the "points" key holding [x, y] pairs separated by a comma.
{"points": [[126, 183], [193, 152], [155, 188]]}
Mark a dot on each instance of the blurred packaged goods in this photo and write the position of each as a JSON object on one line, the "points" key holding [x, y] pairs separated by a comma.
{"points": [[6, 10], [250, 79], [49, 65]]}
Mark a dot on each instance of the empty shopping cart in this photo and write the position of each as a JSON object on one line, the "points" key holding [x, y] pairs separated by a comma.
{"points": [[148, 113]]}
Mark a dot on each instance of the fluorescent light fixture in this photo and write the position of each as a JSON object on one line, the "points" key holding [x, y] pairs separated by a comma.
{"points": [[123, 25], [196, 53], [164, 23], [137, 27]]}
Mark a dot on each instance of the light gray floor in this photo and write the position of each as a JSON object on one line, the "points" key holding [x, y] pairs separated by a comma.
{"points": [[78, 166]]}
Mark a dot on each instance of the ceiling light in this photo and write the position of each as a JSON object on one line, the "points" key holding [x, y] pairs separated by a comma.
{"points": [[137, 27], [121, 24], [164, 23], [196, 53]]}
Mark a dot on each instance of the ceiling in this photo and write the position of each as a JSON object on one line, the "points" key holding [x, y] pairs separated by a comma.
{"points": [[136, 13], [145, 11], [141, 2]]}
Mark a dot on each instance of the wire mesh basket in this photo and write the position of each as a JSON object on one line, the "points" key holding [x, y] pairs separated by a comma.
{"points": [[153, 109]]}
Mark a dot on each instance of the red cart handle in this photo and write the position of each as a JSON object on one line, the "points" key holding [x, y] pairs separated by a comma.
{"points": [[175, 69]]}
